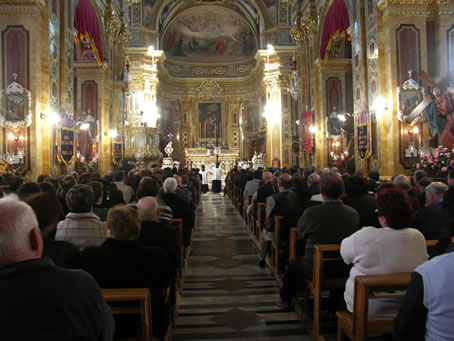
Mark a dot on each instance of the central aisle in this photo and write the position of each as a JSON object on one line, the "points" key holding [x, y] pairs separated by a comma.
{"points": [[226, 296]]}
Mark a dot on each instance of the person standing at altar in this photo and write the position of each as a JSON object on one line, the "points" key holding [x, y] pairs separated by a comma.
{"points": [[217, 173], [204, 174]]}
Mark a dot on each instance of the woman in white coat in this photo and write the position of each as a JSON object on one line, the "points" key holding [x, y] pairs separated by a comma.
{"points": [[390, 249]]}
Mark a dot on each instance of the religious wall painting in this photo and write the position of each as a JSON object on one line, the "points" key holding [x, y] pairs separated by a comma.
{"points": [[269, 3], [16, 104], [166, 11], [273, 15], [210, 120], [15, 107], [209, 34], [149, 3], [148, 13], [250, 8], [410, 97], [254, 118]]}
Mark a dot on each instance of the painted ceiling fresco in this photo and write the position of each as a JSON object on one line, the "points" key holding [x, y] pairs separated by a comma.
{"points": [[269, 3], [209, 34]]}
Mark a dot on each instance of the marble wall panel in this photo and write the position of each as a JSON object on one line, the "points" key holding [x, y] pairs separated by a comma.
{"points": [[450, 34], [90, 98], [408, 46], [15, 56]]}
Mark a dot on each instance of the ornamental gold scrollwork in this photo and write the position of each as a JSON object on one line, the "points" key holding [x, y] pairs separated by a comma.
{"points": [[385, 3], [41, 3], [284, 81], [305, 25]]}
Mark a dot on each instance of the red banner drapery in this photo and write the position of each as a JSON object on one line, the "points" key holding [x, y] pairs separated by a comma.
{"points": [[336, 23], [87, 26], [306, 135]]}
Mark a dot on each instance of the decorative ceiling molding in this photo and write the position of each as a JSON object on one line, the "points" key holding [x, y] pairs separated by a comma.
{"points": [[16, 9], [41, 3]]}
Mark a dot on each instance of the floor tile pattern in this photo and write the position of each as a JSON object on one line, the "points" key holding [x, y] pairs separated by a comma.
{"points": [[226, 296]]}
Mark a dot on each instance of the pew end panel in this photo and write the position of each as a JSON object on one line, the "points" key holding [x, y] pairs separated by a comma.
{"points": [[138, 302], [356, 326]]}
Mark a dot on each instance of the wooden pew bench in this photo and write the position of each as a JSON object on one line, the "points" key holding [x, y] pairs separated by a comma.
{"points": [[324, 254], [259, 221], [246, 204], [138, 302], [275, 264], [251, 217], [357, 326]]}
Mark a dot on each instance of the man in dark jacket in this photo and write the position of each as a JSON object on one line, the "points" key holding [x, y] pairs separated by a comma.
{"points": [[153, 233], [432, 221], [180, 208], [276, 205], [40, 301], [328, 223], [267, 189]]}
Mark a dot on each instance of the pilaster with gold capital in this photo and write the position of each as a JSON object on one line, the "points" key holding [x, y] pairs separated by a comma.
{"points": [[277, 65]]}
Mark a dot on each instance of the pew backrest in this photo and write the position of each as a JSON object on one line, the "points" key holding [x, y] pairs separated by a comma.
{"points": [[133, 301]]}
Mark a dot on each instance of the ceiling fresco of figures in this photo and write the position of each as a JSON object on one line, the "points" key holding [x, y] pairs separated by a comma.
{"points": [[209, 34]]}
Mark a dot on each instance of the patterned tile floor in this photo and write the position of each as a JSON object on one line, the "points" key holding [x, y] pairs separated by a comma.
{"points": [[226, 296]]}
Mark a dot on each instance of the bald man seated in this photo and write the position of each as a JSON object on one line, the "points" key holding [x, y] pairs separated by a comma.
{"points": [[153, 233], [40, 301]]}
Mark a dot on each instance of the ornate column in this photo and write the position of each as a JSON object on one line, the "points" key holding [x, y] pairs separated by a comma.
{"points": [[402, 46], [25, 55], [187, 129], [304, 32], [234, 138], [277, 66]]}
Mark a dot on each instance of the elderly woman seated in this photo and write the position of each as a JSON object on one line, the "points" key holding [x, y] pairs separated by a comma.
{"points": [[81, 227], [121, 262], [378, 251]]}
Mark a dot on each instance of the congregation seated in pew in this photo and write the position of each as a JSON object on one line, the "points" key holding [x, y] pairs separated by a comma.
{"points": [[121, 262], [40, 301], [393, 248], [328, 223], [153, 233], [180, 208], [81, 226], [46, 207]]}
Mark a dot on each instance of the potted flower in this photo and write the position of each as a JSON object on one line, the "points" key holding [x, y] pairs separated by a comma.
{"points": [[81, 166], [346, 164], [438, 162], [5, 172]]}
